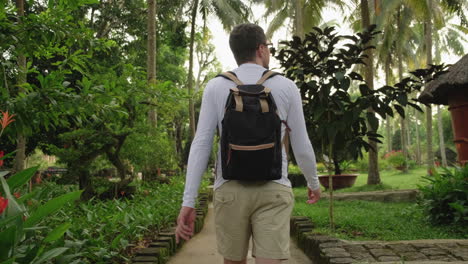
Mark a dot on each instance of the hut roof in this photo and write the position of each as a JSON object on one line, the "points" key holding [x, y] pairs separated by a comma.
{"points": [[436, 91]]}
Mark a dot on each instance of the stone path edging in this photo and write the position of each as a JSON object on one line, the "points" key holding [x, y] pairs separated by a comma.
{"points": [[328, 250], [164, 243], [393, 196]]}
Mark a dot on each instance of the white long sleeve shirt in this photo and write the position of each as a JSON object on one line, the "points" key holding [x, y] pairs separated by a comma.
{"points": [[289, 103]]}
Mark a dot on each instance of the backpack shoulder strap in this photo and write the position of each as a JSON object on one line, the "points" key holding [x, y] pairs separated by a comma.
{"points": [[230, 76], [267, 75]]}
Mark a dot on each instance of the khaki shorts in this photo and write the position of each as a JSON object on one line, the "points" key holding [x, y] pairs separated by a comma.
{"points": [[258, 209]]}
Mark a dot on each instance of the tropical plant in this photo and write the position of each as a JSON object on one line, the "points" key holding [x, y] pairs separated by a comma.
{"points": [[445, 196], [23, 238]]}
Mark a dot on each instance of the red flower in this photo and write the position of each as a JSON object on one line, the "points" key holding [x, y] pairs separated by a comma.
{"points": [[6, 119], [17, 195], [1, 156], [3, 204]]}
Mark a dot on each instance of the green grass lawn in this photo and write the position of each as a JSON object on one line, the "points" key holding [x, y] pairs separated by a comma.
{"points": [[363, 220], [391, 180]]}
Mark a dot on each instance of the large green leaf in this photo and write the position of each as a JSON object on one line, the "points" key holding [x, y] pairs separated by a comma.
{"points": [[21, 177], [57, 232], [7, 242], [50, 255], [50, 207], [8, 261], [14, 208]]}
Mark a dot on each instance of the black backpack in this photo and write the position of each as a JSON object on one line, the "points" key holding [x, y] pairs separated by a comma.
{"points": [[251, 132]]}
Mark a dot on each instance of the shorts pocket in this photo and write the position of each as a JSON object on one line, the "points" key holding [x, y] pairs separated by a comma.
{"points": [[223, 199]]}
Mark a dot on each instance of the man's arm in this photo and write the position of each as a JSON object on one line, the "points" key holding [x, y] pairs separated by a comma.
{"points": [[303, 151], [200, 151]]}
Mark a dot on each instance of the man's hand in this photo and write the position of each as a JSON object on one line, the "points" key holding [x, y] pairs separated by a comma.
{"points": [[314, 195], [185, 223]]}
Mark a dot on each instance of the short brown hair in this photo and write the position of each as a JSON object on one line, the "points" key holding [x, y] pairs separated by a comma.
{"points": [[244, 41]]}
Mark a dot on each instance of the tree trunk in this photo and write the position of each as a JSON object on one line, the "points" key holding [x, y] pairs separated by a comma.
{"points": [[441, 137], [418, 140], [190, 73], [151, 60], [389, 121], [299, 19], [22, 75], [400, 76], [428, 44], [408, 131], [373, 173], [403, 141]]}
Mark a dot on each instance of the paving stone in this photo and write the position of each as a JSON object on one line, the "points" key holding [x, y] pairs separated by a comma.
{"points": [[331, 245], [388, 258], [160, 244], [460, 253], [355, 248], [422, 245], [379, 252], [447, 246], [169, 240], [366, 257], [442, 258], [433, 251], [153, 251], [463, 243], [374, 246], [341, 260], [336, 253], [302, 225], [151, 259], [402, 247], [412, 256]]}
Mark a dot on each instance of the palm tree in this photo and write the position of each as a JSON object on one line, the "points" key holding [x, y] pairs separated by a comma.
{"points": [[306, 14], [151, 62], [230, 13], [420, 39]]}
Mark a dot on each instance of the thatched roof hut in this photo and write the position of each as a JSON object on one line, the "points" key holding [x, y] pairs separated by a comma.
{"points": [[456, 79]]}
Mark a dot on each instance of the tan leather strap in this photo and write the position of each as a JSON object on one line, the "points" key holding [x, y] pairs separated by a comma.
{"points": [[233, 78], [238, 99], [239, 103], [265, 77], [264, 105], [286, 138], [250, 148]]}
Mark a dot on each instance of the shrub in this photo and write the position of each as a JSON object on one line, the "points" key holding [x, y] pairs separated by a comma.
{"points": [[396, 158], [445, 198]]}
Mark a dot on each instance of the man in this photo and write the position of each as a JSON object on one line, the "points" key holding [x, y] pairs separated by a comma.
{"points": [[260, 210]]}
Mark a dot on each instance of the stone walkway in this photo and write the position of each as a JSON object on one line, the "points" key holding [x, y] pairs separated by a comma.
{"points": [[202, 248], [329, 250]]}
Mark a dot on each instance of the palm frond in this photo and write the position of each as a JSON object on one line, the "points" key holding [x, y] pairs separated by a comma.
{"points": [[277, 22]]}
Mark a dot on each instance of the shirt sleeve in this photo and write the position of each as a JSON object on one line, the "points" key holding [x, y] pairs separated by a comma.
{"points": [[200, 149], [300, 142]]}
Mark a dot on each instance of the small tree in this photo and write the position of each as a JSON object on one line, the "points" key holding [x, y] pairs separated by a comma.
{"points": [[336, 97]]}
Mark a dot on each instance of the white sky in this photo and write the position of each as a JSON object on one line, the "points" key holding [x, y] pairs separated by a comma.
{"points": [[225, 57]]}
